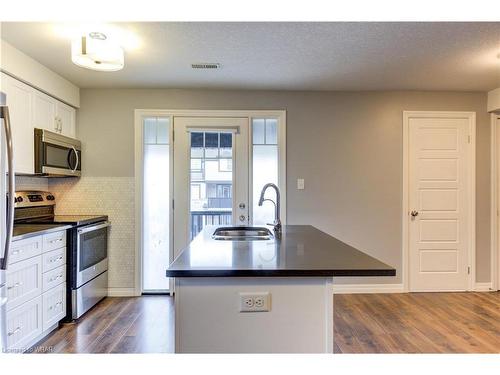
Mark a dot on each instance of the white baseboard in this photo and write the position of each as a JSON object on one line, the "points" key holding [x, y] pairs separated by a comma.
{"points": [[121, 292], [367, 288], [483, 287]]}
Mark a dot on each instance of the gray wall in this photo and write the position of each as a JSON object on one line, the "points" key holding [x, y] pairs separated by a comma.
{"points": [[346, 145]]}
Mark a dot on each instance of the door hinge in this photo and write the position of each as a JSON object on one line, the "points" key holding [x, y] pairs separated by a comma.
{"points": [[173, 204], [173, 135], [468, 139], [468, 270]]}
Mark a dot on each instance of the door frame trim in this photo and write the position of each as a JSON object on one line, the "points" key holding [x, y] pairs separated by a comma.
{"points": [[471, 117], [280, 115], [494, 222]]}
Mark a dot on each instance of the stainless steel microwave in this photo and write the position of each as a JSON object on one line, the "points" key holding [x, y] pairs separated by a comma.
{"points": [[57, 155]]}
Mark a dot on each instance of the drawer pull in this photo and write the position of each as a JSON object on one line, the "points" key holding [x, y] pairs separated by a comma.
{"points": [[15, 331], [16, 285], [16, 252], [56, 259], [57, 240], [55, 278], [55, 306]]}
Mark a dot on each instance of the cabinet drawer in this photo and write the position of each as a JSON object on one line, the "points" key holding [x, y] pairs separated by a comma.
{"points": [[53, 259], [24, 324], [53, 278], [24, 249], [54, 241], [54, 306], [24, 281]]}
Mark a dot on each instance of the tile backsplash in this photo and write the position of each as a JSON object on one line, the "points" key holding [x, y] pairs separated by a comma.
{"points": [[112, 196], [32, 183]]}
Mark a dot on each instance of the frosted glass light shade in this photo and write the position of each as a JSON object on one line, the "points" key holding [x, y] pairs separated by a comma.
{"points": [[97, 54]]}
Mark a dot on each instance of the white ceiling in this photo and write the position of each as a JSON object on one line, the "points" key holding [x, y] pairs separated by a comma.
{"points": [[289, 56]]}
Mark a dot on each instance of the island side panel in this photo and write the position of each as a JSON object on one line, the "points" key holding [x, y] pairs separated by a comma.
{"points": [[208, 317]]}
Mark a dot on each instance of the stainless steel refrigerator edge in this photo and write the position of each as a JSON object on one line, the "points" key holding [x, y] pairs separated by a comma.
{"points": [[7, 189]]}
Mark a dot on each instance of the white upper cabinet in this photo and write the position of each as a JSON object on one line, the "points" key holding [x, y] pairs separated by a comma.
{"points": [[20, 103], [30, 108], [44, 112], [65, 117]]}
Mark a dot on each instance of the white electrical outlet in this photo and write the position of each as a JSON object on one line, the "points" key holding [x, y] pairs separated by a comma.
{"points": [[255, 302]]}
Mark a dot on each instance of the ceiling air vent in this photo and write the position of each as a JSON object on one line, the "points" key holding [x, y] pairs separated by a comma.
{"points": [[205, 66]]}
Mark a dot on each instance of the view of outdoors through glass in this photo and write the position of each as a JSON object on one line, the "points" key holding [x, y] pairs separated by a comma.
{"points": [[211, 180]]}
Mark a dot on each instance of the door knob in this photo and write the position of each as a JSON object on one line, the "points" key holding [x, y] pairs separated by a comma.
{"points": [[414, 213]]}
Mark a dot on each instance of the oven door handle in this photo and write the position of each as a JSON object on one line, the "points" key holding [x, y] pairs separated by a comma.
{"points": [[91, 228]]}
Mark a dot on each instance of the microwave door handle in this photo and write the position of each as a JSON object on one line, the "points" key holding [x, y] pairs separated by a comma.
{"points": [[4, 114], [77, 159]]}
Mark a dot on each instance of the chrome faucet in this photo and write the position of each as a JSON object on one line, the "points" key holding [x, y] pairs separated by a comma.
{"points": [[277, 221]]}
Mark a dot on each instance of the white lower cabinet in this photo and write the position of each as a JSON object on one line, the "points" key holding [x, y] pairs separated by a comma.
{"points": [[24, 249], [54, 259], [54, 306], [24, 324], [36, 289], [24, 281], [53, 278]]}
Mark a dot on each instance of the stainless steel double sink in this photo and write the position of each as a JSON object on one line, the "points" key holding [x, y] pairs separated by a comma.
{"points": [[242, 234]]}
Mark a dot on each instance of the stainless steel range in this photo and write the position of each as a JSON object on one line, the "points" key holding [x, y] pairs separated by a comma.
{"points": [[87, 248]]}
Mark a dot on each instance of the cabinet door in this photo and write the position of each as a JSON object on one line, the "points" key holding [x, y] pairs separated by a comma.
{"points": [[54, 306], [19, 101], [24, 281], [24, 324], [54, 241], [44, 112], [53, 259], [24, 249], [66, 117]]}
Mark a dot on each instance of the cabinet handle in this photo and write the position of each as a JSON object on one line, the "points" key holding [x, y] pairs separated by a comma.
{"points": [[15, 331], [56, 259], [55, 278], [17, 252], [16, 285], [54, 306]]}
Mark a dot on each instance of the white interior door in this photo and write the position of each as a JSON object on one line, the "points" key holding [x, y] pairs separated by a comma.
{"points": [[439, 203], [210, 175]]}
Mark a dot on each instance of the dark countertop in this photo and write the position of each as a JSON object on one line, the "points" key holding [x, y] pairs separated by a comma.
{"points": [[302, 251], [22, 231]]}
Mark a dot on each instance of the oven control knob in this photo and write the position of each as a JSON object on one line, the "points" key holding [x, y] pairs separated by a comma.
{"points": [[18, 199], [50, 197]]}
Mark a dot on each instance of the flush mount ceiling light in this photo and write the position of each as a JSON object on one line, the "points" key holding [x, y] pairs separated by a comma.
{"points": [[94, 51]]}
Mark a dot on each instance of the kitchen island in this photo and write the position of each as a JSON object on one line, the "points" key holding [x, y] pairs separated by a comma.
{"points": [[262, 296]]}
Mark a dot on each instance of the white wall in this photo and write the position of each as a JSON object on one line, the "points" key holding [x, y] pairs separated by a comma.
{"points": [[353, 140], [494, 100]]}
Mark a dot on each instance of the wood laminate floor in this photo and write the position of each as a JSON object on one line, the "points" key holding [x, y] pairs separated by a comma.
{"points": [[363, 323]]}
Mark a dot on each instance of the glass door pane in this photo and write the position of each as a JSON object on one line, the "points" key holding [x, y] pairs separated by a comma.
{"points": [[156, 207], [211, 179], [210, 162], [264, 167]]}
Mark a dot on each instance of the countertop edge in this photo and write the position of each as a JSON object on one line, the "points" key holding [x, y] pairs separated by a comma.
{"points": [[279, 273], [41, 232]]}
